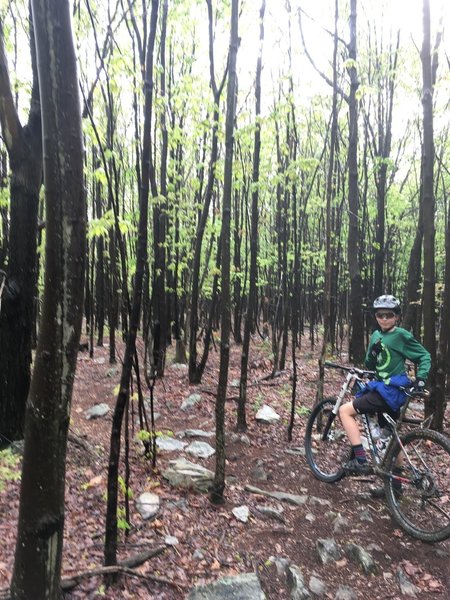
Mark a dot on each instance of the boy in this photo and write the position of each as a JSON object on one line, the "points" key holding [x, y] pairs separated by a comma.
{"points": [[388, 349]]}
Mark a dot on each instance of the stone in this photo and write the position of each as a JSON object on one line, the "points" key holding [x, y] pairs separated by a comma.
{"points": [[407, 587], [317, 586], [169, 444], [340, 524], [198, 433], [296, 584], [345, 593], [185, 474], [96, 411], [147, 505], [266, 414], [258, 473], [191, 401], [200, 449], [271, 511], [171, 540], [362, 557], [328, 550], [241, 587], [282, 496], [241, 513]]}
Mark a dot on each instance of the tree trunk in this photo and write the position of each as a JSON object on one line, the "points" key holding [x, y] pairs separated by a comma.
{"points": [[24, 146], [356, 350], [241, 424], [37, 566], [219, 476]]}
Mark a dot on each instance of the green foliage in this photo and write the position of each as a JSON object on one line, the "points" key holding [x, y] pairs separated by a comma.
{"points": [[9, 467]]}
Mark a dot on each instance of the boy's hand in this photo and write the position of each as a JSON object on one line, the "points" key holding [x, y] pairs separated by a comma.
{"points": [[376, 349]]}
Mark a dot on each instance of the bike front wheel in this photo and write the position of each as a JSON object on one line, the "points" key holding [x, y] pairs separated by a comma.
{"points": [[418, 485], [326, 445]]}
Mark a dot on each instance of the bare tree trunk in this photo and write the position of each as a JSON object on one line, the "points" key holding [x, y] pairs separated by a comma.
{"points": [[241, 424], [217, 495], [356, 350], [24, 146], [37, 566]]}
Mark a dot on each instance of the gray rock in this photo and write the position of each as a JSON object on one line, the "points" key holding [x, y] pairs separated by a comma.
{"points": [[340, 524], [240, 437], [241, 587], [191, 401], [182, 473], [365, 515], [281, 563], [282, 496], [96, 411], [266, 414], [319, 501], [271, 511], [407, 587], [362, 557], [317, 586], [147, 505], [183, 368], [198, 433], [198, 555], [171, 540], [169, 444], [241, 513], [345, 593], [258, 473], [296, 451], [296, 584], [328, 550], [200, 449]]}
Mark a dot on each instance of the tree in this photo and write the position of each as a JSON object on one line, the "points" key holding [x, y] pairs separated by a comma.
{"points": [[37, 566], [241, 424], [219, 476], [24, 147]]}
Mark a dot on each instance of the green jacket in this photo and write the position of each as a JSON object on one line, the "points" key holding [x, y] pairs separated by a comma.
{"points": [[397, 345]]}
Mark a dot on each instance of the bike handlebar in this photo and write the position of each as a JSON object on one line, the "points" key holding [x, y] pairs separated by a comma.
{"points": [[360, 372]]}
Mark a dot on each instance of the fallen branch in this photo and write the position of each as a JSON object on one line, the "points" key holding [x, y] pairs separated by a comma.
{"points": [[125, 567]]}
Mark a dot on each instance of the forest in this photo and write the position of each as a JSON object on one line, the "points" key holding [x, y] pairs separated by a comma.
{"points": [[189, 181]]}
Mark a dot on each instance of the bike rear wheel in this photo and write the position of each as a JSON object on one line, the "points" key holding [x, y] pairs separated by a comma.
{"points": [[326, 445], [422, 505]]}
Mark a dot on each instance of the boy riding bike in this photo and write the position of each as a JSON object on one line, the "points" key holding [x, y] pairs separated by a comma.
{"points": [[389, 348]]}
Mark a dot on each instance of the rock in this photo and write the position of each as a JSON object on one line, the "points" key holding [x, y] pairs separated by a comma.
{"points": [[272, 512], [317, 586], [340, 524], [258, 473], [181, 367], [191, 401], [241, 513], [198, 555], [147, 505], [328, 550], [200, 449], [96, 411], [280, 563], [345, 593], [366, 516], [240, 587], [266, 414], [171, 540], [319, 501], [182, 473], [407, 587], [296, 584], [283, 496], [198, 433], [296, 451], [169, 444], [362, 557], [240, 437]]}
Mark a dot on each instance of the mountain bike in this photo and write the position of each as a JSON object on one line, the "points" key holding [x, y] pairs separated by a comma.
{"points": [[414, 464]]}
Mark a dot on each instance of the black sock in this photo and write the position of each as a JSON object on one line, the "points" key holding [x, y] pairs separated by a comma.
{"points": [[360, 453]]}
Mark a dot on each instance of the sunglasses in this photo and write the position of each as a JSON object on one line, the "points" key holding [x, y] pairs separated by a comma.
{"points": [[385, 315]]}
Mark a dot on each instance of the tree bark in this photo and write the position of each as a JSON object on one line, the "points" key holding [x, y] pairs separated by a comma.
{"points": [[37, 566], [24, 146], [217, 495]]}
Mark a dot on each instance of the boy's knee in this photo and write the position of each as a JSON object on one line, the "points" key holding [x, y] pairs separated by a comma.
{"points": [[346, 409]]}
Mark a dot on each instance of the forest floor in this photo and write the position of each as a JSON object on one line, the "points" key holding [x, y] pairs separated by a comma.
{"points": [[212, 543]]}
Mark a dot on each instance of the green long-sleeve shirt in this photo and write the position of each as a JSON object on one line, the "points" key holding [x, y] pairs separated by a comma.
{"points": [[398, 345]]}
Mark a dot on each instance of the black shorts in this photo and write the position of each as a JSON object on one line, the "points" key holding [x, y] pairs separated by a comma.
{"points": [[372, 403]]}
